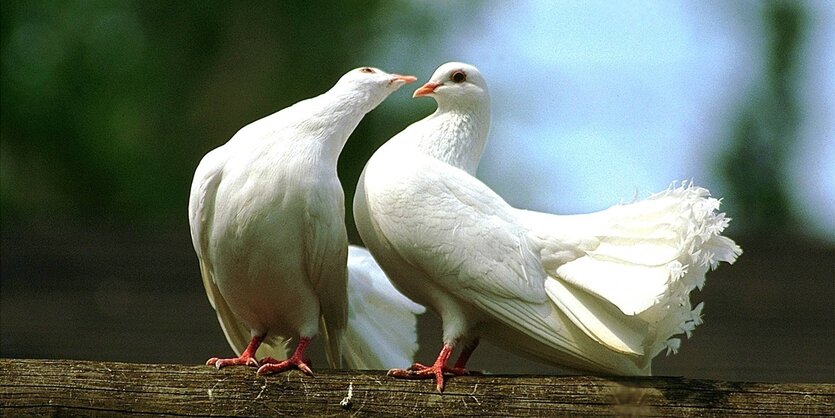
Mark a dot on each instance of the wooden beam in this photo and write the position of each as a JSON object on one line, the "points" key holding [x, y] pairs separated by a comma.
{"points": [[50, 387]]}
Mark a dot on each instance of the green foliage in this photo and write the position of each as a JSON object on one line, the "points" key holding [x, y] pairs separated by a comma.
{"points": [[765, 132], [108, 106]]}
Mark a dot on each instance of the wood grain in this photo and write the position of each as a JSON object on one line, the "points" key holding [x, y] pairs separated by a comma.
{"points": [[61, 387]]}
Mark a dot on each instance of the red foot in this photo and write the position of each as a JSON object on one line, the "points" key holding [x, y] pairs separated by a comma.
{"points": [[424, 372], [247, 358], [296, 361], [280, 366], [455, 370], [436, 371], [235, 361]]}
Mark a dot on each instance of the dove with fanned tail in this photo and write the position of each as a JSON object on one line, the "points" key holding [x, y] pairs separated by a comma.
{"points": [[602, 292]]}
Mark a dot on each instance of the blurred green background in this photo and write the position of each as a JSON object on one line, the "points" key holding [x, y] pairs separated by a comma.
{"points": [[108, 106]]}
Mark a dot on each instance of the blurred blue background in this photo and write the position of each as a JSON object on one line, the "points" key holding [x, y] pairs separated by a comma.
{"points": [[108, 106]]}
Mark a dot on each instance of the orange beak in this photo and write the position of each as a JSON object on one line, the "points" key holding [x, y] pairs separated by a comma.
{"points": [[405, 78], [425, 89]]}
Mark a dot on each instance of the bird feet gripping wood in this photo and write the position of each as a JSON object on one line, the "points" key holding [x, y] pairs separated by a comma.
{"points": [[296, 361], [247, 358], [439, 368], [436, 371]]}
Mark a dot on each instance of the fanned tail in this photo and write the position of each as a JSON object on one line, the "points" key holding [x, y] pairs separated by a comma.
{"points": [[624, 275], [381, 331]]}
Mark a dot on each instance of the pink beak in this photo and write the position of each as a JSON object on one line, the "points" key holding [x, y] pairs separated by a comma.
{"points": [[405, 78], [426, 89]]}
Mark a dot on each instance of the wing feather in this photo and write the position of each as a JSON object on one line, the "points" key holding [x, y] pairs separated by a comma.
{"points": [[207, 179], [467, 240], [458, 231], [326, 253]]}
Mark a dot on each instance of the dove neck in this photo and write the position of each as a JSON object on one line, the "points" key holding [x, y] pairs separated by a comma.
{"points": [[335, 123], [457, 136]]}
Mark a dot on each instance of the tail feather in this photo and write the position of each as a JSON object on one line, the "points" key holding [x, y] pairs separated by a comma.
{"points": [[381, 330], [628, 287], [601, 321], [333, 338]]}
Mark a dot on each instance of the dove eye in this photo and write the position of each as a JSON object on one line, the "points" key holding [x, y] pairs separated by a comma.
{"points": [[458, 77], [367, 70]]}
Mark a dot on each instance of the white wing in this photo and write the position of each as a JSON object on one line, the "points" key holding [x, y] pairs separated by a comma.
{"points": [[326, 253], [201, 207], [456, 230], [461, 235], [465, 238]]}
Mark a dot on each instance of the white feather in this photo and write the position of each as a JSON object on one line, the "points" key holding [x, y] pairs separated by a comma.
{"points": [[603, 292], [266, 213], [382, 322], [651, 255]]}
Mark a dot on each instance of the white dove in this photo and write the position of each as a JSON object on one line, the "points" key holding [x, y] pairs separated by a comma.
{"points": [[602, 292], [266, 212]]}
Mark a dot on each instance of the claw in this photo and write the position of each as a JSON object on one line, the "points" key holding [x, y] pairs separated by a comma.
{"points": [[236, 361], [296, 361], [436, 371], [291, 363], [245, 359], [417, 366]]}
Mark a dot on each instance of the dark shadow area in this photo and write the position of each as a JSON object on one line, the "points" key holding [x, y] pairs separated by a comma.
{"points": [[107, 108], [135, 295]]}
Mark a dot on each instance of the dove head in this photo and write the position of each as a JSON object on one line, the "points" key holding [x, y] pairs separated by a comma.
{"points": [[457, 131], [456, 84], [370, 85]]}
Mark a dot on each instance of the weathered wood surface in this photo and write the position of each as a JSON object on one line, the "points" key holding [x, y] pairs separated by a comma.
{"points": [[62, 387]]}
